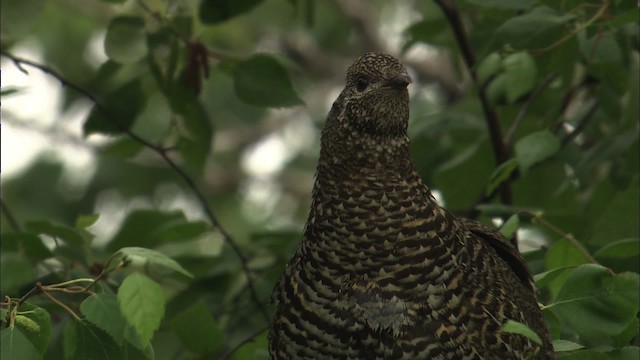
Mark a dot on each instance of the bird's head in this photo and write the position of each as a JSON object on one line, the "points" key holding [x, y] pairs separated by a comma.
{"points": [[375, 100]]}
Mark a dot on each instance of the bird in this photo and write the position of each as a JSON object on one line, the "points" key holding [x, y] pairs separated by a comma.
{"points": [[384, 272]]}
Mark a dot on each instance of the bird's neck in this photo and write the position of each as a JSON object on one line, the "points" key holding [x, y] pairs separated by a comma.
{"points": [[371, 211], [374, 175], [347, 152]]}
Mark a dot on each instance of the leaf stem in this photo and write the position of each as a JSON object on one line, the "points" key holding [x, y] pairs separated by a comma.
{"points": [[601, 10], [9, 216], [537, 217], [61, 304]]}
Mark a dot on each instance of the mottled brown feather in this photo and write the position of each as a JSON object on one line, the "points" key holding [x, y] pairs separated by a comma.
{"points": [[382, 271]]}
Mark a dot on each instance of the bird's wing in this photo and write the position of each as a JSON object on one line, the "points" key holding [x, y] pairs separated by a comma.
{"points": [[503, 247]]}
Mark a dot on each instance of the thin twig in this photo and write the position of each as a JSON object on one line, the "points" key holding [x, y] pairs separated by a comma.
{"points": [[29, 293], [164, 154], [9, 216], [495, 133], [157, 16], [61, 304], [105, 271], [537, 217], [243, 342], [600, 13], [525, 107]]}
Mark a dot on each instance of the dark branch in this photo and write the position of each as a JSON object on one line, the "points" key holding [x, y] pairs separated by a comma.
{"points": [[473, 212], [9, 216], [495, 133], [581, 124], [164, 154]]}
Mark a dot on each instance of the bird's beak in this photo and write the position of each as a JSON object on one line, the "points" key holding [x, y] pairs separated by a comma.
{"points": [[399, 81]]}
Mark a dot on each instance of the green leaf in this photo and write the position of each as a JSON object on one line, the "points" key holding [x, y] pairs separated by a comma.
{"points": [[124, 148], [627, 248], [586, 355], [84, 221], [216, 11], [430, 30], [625, 353], [451, 177], [60, 232], [543, 279], [255, 349], [148, 257], [85, 341], [196, 136], [26, 243], [500, 174], [601, 49], [606, 60], [509, 228], [263, 81], [181, 232], [504, 4], [17, 17], [496, 90], [103, 311], [520, 75], [609, 301], [126, 39], [14, 344], [489, 67], [627, 335], [142, 304], [619, 219], [35, 323], [535, 148], [15, 271], [630, 16], [122, 106], [532, 30], [565, 345], [197, 329], [143, 228], [563, 253], [515, 327]]}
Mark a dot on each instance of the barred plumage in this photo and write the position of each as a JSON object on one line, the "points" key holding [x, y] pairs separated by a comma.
{"points": [[382, 271]]}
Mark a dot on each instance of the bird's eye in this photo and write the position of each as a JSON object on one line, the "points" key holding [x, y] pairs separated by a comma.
{"points": [[362, 83]]}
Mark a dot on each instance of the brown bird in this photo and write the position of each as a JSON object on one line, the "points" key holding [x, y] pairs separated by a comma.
{"points": [[382, 271]]}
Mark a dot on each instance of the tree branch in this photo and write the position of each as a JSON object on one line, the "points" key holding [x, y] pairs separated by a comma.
{"points": [[538, 218], [500, 151], [164, 154], [9, 216], [473, 212], [582, 123]]}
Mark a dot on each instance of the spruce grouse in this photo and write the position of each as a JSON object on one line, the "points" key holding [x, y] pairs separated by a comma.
{"points": [[382, 271]]}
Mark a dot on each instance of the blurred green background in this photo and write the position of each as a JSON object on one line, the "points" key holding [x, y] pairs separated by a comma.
{"points": [[236, 92]]}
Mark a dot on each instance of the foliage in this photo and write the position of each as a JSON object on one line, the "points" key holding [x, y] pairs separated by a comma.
{"points": [[168, 245]]}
